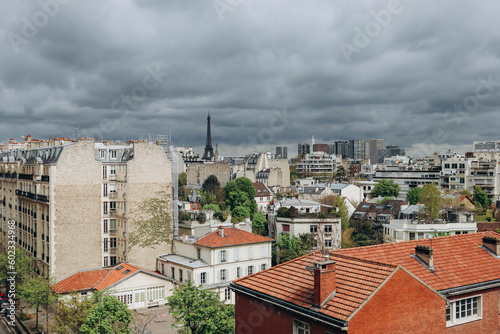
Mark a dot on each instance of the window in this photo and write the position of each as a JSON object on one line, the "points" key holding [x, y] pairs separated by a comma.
{"points": [[446, 165], [300, 327], [125, 298], [198, 250], [105, 208], [328, 243], [237, 254], [263, 251], [249, 270], [112, 260], [463, 310], [106, 261], [105, 244], [105, 226], [112, 170], [222, 275], [412, 236], [155, 293], [103, 154], [180, 275], [173, 273], [112, 242], [112, 206], [286, 228], [105, 189], [222, 256], [313, 228], [227, 294], [263, 266], [104, 172], [112, 224], [203, 278], [250, 252], [113, 154], [328, 228], [238, 272]]}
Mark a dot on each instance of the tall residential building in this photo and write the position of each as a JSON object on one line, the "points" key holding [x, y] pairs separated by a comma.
{"points": [[304, 148], [357, 149], [342, 148], [454, 172], [390, 151], [317, 162], [487, 146], [374, 146], [282, 152], [74, 203]]}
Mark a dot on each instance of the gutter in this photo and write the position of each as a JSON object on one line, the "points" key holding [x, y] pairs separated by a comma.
{"points": [[471, 288], [316, 316]]}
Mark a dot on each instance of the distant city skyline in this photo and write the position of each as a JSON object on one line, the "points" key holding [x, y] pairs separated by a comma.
{"points": [[421, 75]]}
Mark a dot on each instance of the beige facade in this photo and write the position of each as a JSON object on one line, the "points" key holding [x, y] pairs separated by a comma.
{"points": [[73, 202], [197, 173]]}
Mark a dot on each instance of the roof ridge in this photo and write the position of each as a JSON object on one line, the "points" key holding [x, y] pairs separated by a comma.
{"points": [[365, 261]]}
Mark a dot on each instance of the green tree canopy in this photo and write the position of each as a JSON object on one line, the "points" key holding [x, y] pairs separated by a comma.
{"points": [[287, 247], [200, 311], [259, 224], [240, 192], [211, 184], [481, 198], [37, 292], [386, 188], [71, 313], [108, 316], [431, 198], [413, 196]]}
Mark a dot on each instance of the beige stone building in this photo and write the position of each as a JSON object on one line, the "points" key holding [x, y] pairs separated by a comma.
{"points": [[197, 173], [74, 202]]}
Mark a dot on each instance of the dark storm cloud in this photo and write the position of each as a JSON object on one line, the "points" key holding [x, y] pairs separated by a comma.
{"points": [[120, 69]]}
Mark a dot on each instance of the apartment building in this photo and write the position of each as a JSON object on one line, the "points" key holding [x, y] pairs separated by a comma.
{"points": [[484, 173], [216, 259], [454, 172], [407, 177], [317, 162], [73, 198]]}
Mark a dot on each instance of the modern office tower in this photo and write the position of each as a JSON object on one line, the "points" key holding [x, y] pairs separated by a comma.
{"points": [[304, 148]]}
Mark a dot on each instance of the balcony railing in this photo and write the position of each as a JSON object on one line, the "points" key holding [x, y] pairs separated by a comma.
{"points": [[112, 251], [26, 176], [112, 232], [30, 195], [112, 195]]}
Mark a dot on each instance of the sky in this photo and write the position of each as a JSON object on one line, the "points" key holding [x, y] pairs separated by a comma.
{"points": [[423, 75]]}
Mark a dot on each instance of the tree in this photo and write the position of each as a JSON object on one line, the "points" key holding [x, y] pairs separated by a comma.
{"points": [[200, 310], [466, 192], [481, 198], [201, 217], [259, 224], [413, 196], [37, 292], [240, 213], [108, 316], [340, 175], [153, 225], [211, 184], [386, 188], [287, 248], [71, 314], [240, 192], [15, 259], [431, 198], [182, 181]]}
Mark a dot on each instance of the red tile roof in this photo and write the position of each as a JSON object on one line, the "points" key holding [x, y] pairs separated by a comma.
{"points": [[232, 236], [356, 280], [97, 279], [458, 259], [261, 189]]}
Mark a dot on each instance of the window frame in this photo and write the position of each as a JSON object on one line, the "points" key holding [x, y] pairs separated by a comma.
{"points": [[222, 256], [304, 328], [453, 305]]}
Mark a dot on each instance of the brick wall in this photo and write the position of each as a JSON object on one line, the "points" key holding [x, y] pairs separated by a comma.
{"points": [[401, 305], [256, 317]]}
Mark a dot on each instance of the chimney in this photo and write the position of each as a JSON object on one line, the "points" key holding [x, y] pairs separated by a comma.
{"points": [[493, 244], [221, 231], [424, 253], [324, 281]]}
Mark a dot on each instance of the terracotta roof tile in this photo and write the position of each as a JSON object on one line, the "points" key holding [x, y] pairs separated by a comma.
{"points": [[97, 279], [355, 280], [232, 236], [458, 260]]}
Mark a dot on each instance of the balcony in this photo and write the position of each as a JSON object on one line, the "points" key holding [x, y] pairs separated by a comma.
{"points": [[26, 176], [112, 195], [112, 251], [45, 178], [112, 232]]}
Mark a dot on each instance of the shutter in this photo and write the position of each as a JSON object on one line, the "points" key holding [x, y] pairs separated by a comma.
{"points": [[207, 278]]}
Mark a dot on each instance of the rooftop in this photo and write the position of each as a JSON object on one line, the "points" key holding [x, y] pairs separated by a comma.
{"points": [[232, 236]]}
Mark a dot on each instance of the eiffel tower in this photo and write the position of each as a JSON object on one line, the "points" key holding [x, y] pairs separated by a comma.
{"points": [[209, 150]]}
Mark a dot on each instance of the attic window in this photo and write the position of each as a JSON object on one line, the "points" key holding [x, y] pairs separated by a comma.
{"points": [[388, 207], [366, 206], [379, 207], [126, 272], [119, 268]]}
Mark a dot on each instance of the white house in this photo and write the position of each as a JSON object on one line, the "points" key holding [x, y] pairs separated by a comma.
{"points": [[133, 285], [405, 229], [216, 259], [263, 196], [351, 191], [326, 231]]}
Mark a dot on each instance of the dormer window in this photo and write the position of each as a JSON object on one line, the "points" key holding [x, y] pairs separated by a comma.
{"points": [[103, 154], [113, 154]]}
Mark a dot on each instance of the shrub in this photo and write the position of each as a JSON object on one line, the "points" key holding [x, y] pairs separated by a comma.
{"points": [[184, 216], [201, 217]]}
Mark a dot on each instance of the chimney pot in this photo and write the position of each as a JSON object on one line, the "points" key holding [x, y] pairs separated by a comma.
{"points": [[492, 243], [221, 231], [324, 281], [425, 253]]}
